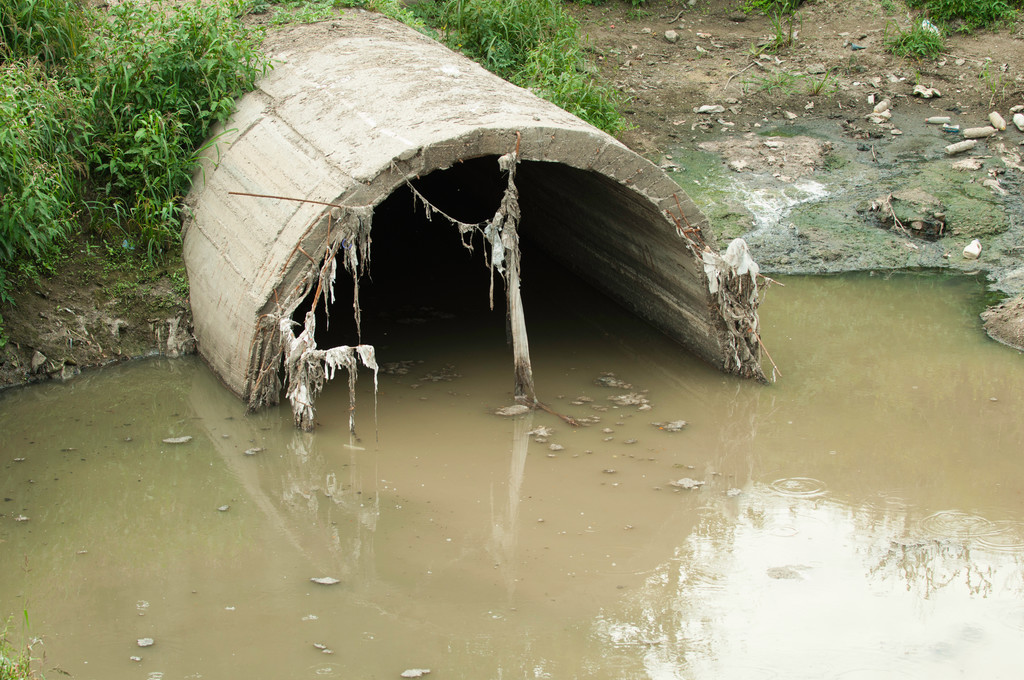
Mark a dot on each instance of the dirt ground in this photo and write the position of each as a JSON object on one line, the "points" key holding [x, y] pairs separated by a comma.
{"points": [[667, 59]]}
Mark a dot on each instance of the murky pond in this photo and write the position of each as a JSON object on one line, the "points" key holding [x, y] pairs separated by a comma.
{"points": [[862, 517]]}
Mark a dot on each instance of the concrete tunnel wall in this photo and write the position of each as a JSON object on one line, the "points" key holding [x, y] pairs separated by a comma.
{"points": [[356, 108]]}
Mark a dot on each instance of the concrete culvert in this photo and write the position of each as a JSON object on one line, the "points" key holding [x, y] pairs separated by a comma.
{"points": [[362, 109]]}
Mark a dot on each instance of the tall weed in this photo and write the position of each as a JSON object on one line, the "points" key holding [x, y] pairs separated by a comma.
{"points": [[49, 31], [534, 44], [968, 15], [158, 81]]}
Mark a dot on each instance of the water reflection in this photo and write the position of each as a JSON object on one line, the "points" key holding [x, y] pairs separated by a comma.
{"points": [[789, 587], [858, 518]]}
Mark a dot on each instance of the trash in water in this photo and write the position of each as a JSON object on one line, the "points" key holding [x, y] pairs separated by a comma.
{"points": [[687, 483], [609, 380], [415, 672], [630, 399], [224, 508], [325, 580], [541, 431], [253, 451], [673, 426], [146, 642], [178, 440], [514, 410]]}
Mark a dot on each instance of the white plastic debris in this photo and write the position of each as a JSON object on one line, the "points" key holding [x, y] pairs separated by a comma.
{"points": [[710, 108], [960, 147], [937, 120], [882, 106], [997, 121], [687, 483], [979, 132], [972, 251], [177, 440], [325, 580], [415, 672], [926, 92], [146, 642], [1018, 120]]}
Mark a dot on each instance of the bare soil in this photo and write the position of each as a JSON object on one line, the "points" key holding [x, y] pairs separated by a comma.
{"points": [[91, 313]]}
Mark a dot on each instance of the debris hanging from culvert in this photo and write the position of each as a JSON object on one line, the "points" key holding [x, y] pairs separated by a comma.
{"points": [[733, 279]]}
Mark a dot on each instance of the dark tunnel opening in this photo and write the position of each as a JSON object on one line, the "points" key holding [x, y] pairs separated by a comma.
{"points": [[419, 266], [420, 270]]}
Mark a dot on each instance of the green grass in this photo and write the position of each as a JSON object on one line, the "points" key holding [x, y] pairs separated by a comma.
{"points": [[532, 43], [15, 661], [915, 43], [968, 15], [102, 118]]}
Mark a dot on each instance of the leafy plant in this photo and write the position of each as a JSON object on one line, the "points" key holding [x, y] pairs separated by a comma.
{"points": [[49, 31], [159, 81], [919, 42], [15, 662], [968, 14], [996, 82], [535, 44], [43, 130], [782, 82]]}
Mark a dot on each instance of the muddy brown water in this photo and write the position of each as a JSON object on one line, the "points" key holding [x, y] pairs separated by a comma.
{"points": [[863, 517]]}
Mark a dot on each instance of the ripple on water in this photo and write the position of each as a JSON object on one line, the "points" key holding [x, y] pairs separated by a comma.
{"points": [[955, 524], [1003, 535], [799, 487]]}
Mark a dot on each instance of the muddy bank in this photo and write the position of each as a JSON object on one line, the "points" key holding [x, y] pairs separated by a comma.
{"points": [[815, 196]]}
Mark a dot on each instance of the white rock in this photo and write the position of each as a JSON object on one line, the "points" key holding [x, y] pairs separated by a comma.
{"points": [[997, 121], [972, 251], [882, 106], [710, 108], [926, 92]]}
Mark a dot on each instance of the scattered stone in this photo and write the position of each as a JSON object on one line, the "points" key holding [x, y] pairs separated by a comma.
{"points": [[38, 361], [146, 642], [972, 251], [997, 121], [965, 164], [629, 441], [994, 185], [816, 69], [710, 108], [514, 410], [926, 92], [540, 431], [673, 426], [687, 483], [671, 36], [325, 580], [178, 440], [979, 132]]}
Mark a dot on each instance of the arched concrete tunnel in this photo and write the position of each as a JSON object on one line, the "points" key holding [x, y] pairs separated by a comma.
{"points": [[364, 121]]}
